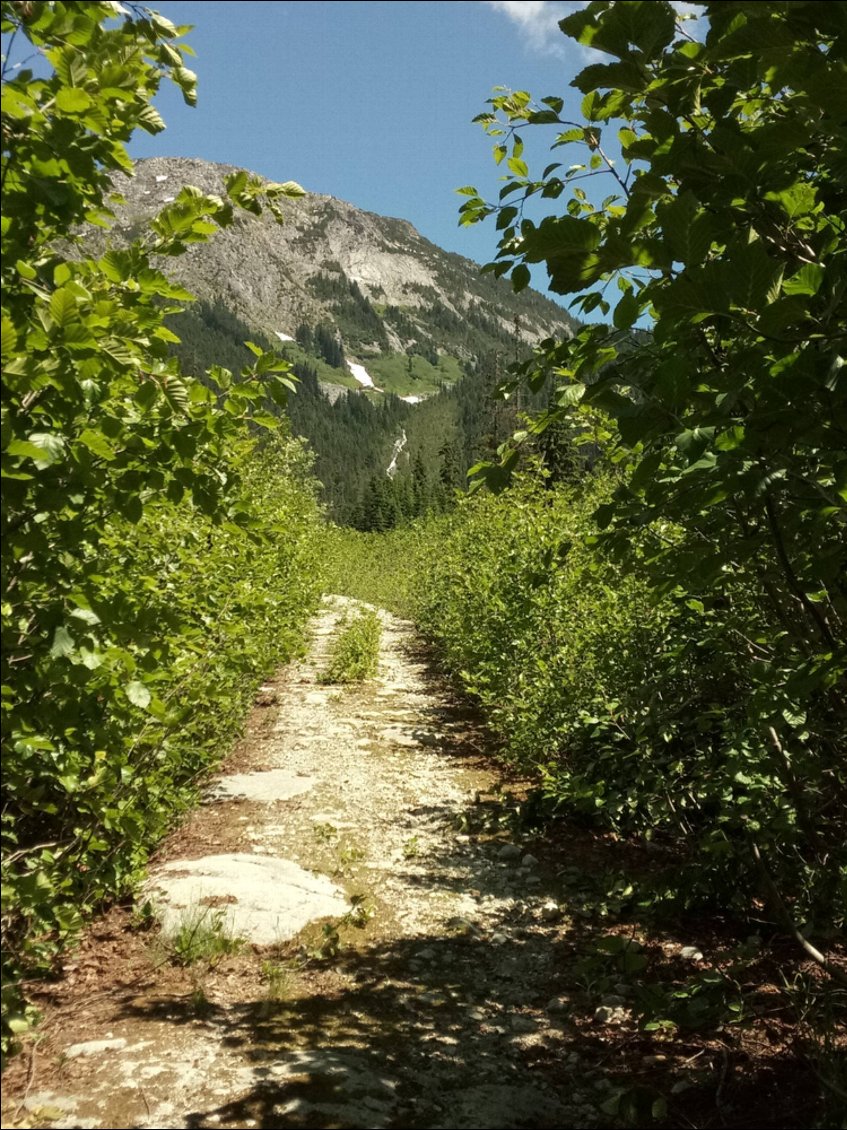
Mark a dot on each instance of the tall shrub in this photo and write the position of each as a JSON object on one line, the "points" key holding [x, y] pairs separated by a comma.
{"points": [[150, 568], [718, 255]]}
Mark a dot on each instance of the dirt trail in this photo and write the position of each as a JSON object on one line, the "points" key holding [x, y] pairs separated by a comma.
{"points": [[443, 1009]]}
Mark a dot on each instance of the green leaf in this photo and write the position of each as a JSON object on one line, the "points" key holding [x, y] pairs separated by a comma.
{"points": [[63, 307], [798, 200], [570, 394], [8, 337], [752, 276], [187, 82], [592, 107], [43, 448], [87, 615], [97, 443], [289, 188], [147, 394], [687, 229], [560, 237], [63, 643], [807, 280], [627, 311], [520, 277], [150, 119], [138, 694], [611, 76], [72, 100]]}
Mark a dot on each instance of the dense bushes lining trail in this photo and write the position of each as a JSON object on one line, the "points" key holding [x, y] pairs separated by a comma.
{"points": [[475, 970]]}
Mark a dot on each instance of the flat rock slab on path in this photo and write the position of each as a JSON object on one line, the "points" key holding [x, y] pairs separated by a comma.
{"points": [[344, 809], [256, 897]]}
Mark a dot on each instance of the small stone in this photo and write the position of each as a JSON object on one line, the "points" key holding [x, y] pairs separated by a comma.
{"points": [[49, 1105], [533, 881], [523, 1024], [550, 912], [691, 953], [606, 1014], [95, 1047], [529, 861], [460, 925], [561, 1003], [498, 939], [613, 1000], [509, 851]]}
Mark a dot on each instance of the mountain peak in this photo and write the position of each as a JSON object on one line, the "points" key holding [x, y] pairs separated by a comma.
{"points": [[328, 255]]}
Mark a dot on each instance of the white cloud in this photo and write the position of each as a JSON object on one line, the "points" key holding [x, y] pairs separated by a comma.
{"points": [[538, 21]]}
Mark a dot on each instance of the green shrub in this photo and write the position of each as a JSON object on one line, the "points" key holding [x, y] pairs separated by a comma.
{"points": [[198, 614], [355, 652], [157, 558], [379, 568], [637, 713], [715, 385]]}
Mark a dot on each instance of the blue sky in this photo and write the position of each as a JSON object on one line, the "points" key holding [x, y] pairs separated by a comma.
{"points": [[370, 102]]}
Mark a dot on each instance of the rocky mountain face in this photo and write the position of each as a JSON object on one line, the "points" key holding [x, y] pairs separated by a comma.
{"points": [[373, 283], [396, 343]]}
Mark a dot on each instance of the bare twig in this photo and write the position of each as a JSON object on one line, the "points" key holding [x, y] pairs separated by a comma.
{"points": [[30, 1076], [722, 1084], [779, 904]]}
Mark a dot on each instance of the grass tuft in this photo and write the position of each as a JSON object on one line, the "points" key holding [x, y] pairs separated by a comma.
{"points": [[355, 652]]}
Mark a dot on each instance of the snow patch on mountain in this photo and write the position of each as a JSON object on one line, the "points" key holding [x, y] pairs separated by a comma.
{"points": [[362, 375]]}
